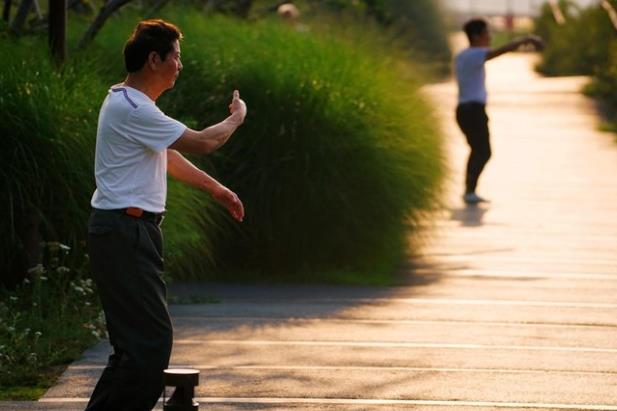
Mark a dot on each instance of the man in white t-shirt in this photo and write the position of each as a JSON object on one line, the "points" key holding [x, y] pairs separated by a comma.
{"points": [[471, 110], [137, 145]]}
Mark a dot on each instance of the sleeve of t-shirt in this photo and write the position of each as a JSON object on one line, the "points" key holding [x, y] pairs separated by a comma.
{"points": [[149, 126], [477, 56]]}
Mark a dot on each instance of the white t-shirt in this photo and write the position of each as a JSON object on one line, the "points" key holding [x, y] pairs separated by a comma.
{"points": [[131, 151], [470, 75]]}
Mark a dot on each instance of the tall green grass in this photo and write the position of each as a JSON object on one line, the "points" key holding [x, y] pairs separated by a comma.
{"points": [[579, 47], [585, 45], [48, 131], [337, 153], [421, 26], [337, 156], [417, 27], [48, 127]]}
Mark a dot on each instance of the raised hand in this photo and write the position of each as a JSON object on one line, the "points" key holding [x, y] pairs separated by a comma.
{"points": [[237, 108], [535, 41]]}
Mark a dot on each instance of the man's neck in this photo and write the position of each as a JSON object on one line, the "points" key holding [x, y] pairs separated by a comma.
{"points": [[144, 85], [478, 43]]}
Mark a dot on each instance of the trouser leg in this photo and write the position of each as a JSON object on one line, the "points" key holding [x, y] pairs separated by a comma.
{"points": [[127, 266], [473, 121], [479, 156]]}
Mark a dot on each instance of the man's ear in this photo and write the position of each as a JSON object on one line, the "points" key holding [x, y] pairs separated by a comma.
{"points": [[153, 60]]}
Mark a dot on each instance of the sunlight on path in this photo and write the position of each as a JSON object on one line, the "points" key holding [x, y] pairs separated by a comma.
{"points": [[551, 178]]}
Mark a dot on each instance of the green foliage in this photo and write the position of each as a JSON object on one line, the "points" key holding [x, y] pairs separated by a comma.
{"points": [[604, 84], [578, 47], [336, 158], [47, 128], [336, 153], [418, 27], [586, 45], [45, 322], [421, 26]]}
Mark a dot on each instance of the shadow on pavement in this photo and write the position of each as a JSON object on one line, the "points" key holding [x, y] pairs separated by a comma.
{"points": [[470, 215]]}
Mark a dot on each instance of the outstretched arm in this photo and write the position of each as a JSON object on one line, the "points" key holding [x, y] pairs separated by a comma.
{"points": [[183, 170], [515, 44], [211, 138]]}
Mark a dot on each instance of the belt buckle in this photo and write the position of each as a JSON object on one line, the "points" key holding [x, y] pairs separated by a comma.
{"points": [[135, 212]]}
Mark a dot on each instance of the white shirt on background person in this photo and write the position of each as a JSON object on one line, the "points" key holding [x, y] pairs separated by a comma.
{"points": [[471, 75]]}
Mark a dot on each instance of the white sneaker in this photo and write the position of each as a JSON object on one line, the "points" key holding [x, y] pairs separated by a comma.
{"points": [[473, 198]]}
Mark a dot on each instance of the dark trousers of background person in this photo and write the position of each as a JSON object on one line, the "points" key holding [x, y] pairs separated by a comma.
{"points": [[126, 257], [473, 121]]}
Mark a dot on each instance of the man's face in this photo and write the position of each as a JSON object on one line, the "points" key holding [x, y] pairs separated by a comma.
{"points": [[170, 67]]}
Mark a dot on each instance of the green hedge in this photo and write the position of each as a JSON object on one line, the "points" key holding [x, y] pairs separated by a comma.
{"points": [[336, 154], [578, 47], [47, 125], [336, 158], [418, 27], [585, 45], [421, 25]]}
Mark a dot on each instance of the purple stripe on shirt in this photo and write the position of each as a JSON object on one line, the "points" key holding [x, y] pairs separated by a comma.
{"points": [[126, 95]]}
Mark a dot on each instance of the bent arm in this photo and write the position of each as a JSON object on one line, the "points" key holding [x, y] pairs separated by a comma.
{"points": [[211, 138], [183, 170], [207, 140], [514, 45]]}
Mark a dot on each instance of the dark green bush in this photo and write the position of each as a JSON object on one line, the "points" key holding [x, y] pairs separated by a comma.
{"points": [[578, 47], [48, 135], [604, 84], [336, 158], [48, 128], [337, 152], [417, 27], [585, 45], [421, 26]]}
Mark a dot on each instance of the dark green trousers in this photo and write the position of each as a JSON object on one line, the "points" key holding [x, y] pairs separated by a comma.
{"points": [[126, 256]]}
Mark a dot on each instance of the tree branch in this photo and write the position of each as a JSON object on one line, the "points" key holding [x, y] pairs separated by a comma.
{"points": [[22, 14], [6, 13], [106, 11]]}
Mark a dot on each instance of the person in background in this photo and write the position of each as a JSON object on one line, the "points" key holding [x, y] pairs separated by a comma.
{"points": [[137, 145], [472, 97], [288, 12]]}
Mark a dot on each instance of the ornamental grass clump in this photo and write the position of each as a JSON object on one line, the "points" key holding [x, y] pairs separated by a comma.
{"points": [[585, 45], [47, 131], [336, 157], [581, 45]]}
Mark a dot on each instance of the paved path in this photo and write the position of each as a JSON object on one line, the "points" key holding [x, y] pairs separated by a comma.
{"points": [[512, 305]]}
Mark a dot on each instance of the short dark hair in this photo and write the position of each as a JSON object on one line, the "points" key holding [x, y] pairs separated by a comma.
{"points": [[475, 27], [149, 35]]}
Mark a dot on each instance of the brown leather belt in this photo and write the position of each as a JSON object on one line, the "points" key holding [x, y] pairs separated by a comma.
{"points": [[136, 212]]}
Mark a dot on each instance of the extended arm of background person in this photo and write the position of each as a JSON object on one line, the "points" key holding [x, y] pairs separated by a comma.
{"points": [[211, 138], [183, 170], [515, 44]]}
